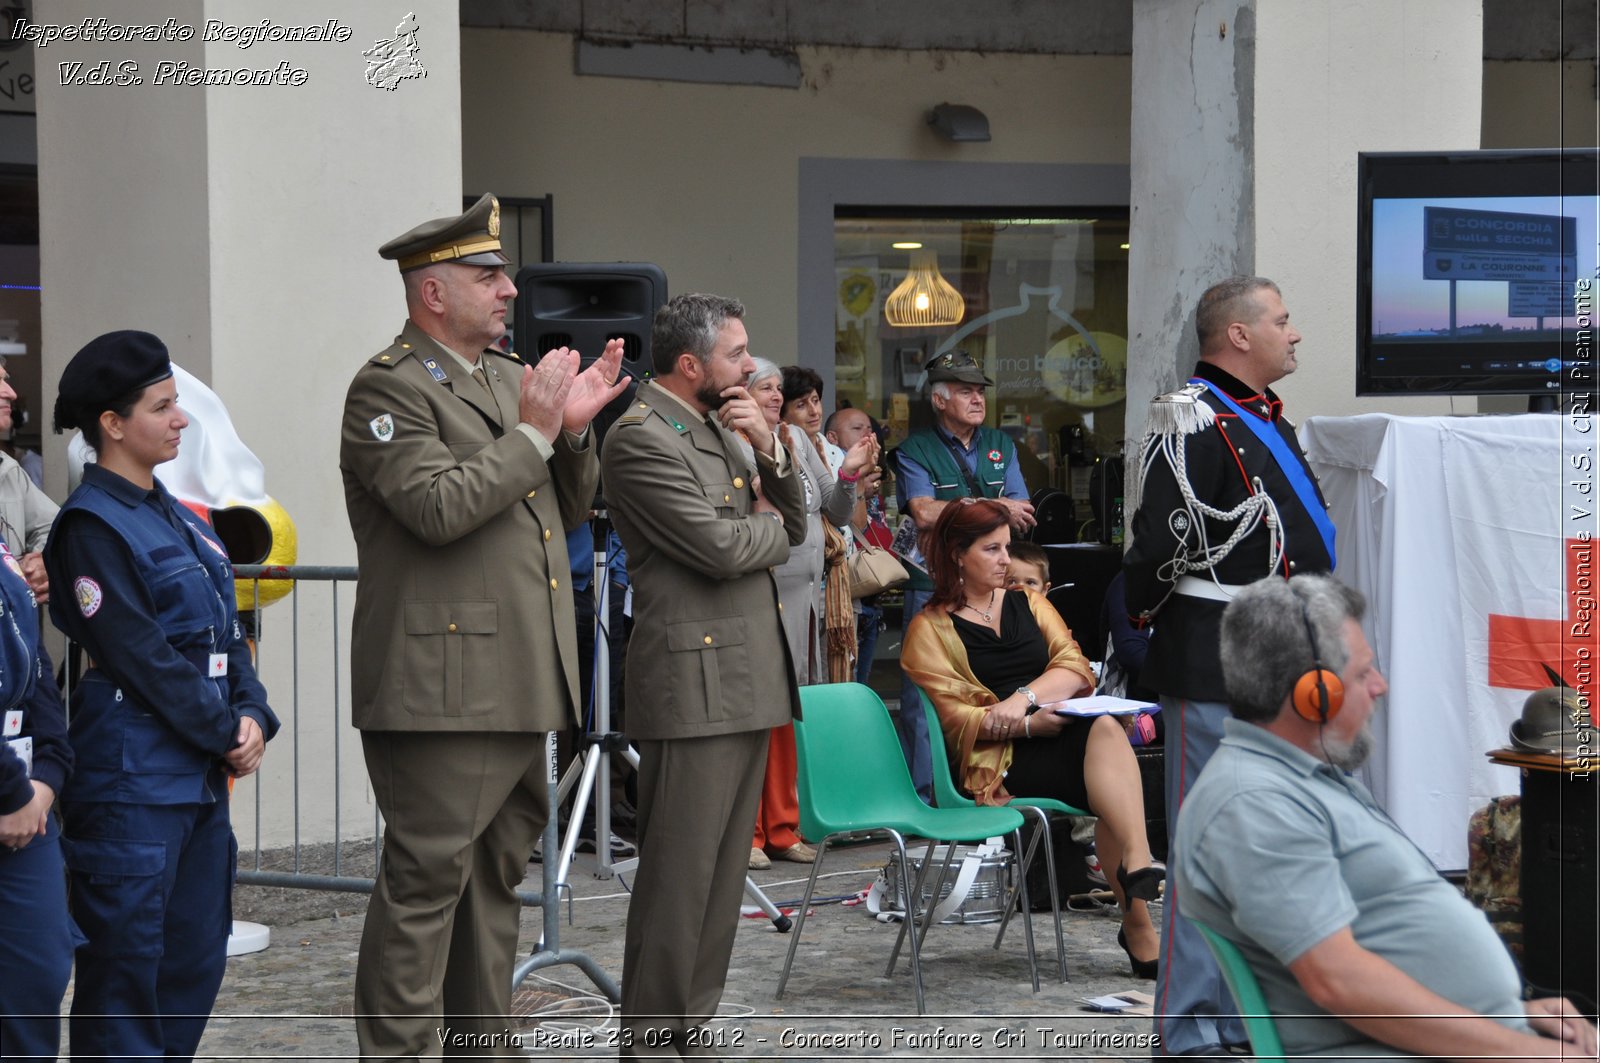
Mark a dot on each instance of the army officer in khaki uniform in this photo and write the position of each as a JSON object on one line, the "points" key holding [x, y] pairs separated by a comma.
{"points": [[708, 666], [463, 468]]}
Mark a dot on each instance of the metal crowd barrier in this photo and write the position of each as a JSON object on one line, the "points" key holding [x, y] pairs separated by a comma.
{"points": [[270, 640], [290, 715]]}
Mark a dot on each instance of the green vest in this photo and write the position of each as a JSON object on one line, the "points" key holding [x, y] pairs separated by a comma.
{"points": [[930, 450]]}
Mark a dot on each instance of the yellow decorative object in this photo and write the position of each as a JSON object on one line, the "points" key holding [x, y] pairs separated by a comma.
{"points": [[282, 547], [1089, 372], [924, 297], [856, 293]]}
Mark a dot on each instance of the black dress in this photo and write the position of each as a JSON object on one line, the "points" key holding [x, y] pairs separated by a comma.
{"points": [[1040, 767]]}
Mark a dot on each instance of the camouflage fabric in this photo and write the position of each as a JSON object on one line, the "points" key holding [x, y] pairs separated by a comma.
{"points": [[1494, 868]]}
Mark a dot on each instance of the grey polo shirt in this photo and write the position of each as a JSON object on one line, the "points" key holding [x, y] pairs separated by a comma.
{"points": [[1276, 851]]}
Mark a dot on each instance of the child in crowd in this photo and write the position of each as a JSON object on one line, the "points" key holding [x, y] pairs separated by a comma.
{"points": [[1029, 569]]}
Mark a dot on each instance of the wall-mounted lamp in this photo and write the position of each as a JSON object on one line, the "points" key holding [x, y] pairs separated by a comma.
{"points": [[924, 297], [957, 121]]}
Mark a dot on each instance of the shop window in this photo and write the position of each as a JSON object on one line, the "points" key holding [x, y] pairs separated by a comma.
{"points": [[1044, 308]]}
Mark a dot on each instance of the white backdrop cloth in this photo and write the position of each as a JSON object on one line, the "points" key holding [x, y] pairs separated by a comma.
{"points": [[1442, 521]]}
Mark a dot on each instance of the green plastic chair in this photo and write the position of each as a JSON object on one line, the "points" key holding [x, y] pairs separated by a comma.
{"points": [[947, 795], [1258, 1024], [853, 778]]}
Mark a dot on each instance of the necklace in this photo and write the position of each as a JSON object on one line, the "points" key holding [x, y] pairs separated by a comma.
{"points": [[988, 617]]}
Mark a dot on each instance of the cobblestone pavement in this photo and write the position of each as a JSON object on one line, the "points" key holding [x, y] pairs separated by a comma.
{"points": [[293, 1000]]}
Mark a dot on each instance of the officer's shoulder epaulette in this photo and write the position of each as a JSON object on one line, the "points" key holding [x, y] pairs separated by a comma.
{"points": [[643, 411], [1180, 413], [509, 355], [393, 354], [635, 415]]}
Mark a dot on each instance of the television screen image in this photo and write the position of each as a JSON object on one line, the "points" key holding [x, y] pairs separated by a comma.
{"points": [[1478, 272]]}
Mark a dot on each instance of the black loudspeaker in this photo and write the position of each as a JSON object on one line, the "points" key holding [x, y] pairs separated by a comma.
{"points": [[1055, 518], [586, 304], [1080, 576], [1561, 885]]}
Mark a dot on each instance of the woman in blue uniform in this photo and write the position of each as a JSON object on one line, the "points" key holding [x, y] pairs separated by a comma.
{"points": [[36, 935], [169, 709]]}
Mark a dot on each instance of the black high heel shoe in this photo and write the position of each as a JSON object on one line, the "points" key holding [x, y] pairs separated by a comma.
{"points": [[1143, 885], [1141, 968]]}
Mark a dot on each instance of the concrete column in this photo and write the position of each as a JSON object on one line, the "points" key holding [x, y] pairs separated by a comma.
{"points": [[1247, 117], [241, 224]]}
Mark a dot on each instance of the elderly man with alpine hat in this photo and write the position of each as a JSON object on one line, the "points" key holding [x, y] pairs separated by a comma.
{"points": [[960, 456]]}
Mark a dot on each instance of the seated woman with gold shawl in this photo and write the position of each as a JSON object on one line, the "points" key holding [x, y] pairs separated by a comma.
{"points": [[988, 658]]}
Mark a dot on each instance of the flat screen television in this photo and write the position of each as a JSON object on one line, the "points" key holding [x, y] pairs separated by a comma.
{"points": [[1477, 272]]}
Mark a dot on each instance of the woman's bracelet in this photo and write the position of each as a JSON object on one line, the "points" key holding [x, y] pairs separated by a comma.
{"points": [[848, 478], [1027, 727]]}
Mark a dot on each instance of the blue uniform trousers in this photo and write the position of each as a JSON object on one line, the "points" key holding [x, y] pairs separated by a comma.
{"points": [[36, 942], [912, 723], [152, 890], [1193, 1006], [867, 623]]}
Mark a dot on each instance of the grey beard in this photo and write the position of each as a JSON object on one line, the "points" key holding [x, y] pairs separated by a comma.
{"points": [[1348, 756]]}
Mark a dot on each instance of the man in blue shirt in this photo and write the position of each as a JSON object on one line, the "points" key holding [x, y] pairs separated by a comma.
{"points": [[959, 457], [1361, 948]]}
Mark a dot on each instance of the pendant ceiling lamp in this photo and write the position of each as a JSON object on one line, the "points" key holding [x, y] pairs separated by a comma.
{"points": [[924, 297]]}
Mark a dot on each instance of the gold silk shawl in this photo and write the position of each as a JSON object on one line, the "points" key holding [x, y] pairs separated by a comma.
{"points": [[936, 661]]}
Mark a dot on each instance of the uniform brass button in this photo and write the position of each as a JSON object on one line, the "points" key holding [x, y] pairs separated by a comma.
{"points": [[533, 492], [452, 627], [780, 607], [738, 481], [383, 358], [407, 346], [552, 584], [708, 640], [644, 406], [547, 535], [727, 498]]}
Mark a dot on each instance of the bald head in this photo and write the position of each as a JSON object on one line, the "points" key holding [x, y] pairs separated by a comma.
{"points": [[848, 425]]}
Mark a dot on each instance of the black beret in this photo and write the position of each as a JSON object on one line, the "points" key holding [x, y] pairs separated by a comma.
{"points": [[108, 368]]}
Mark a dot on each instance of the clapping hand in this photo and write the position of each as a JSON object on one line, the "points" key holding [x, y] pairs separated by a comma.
{"points": [[542, 399], [594, 388], [863, 454]]}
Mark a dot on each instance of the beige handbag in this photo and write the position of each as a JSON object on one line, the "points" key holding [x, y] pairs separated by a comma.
{"points": [[873, 569]]}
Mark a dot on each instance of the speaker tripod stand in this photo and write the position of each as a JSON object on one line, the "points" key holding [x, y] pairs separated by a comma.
{"points": [[590, 770]]}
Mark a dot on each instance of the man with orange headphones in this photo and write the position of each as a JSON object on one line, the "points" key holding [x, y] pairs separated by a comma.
{"points": [[1359, 945]]}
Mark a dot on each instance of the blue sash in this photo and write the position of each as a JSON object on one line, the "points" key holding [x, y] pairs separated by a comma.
{"points": [[1304, 489]]}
